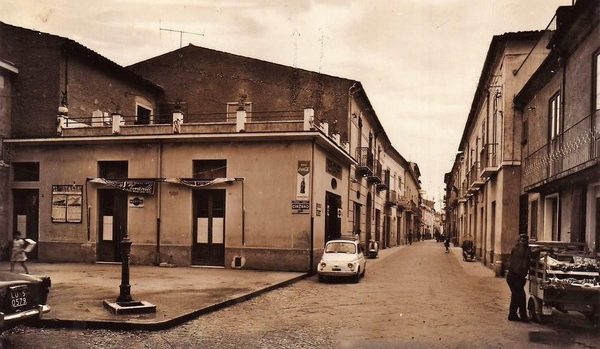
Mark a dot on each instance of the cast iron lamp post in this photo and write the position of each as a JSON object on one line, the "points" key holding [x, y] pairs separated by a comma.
{"points": [[125, 287]]}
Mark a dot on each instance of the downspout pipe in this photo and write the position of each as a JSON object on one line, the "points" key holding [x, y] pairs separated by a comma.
{"points": [[158, 202], [311, 269]]}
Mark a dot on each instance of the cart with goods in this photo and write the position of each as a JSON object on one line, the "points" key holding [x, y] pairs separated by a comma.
{"points": [[563, 276]]}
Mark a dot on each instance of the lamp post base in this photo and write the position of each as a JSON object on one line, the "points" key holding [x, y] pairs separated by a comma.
{"points": [[131, 307]]}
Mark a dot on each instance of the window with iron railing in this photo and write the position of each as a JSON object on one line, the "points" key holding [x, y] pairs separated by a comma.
{"points": [[364, 157]]}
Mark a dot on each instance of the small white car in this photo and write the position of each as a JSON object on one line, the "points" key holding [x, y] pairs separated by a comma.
{"points": [[342, 258]]}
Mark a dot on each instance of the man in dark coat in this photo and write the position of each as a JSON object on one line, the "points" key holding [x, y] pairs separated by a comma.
{"points": [[518, 269]]}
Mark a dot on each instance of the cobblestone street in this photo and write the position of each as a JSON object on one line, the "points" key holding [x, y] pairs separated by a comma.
{"points": [[416, 297]]}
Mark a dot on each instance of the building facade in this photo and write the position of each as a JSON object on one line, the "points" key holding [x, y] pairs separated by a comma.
{"points": [[560, 145], [200, 157], [482, 189]]}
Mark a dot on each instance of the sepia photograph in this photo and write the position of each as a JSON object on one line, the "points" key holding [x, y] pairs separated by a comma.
{"points": [[300, 174]]}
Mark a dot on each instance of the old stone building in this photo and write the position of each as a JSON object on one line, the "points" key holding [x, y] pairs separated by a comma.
{"points": [[483, 186], [560, 144]]}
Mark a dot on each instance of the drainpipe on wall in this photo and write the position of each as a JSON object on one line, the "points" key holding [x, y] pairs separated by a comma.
{"points": [[158, 203], [312, 211]]}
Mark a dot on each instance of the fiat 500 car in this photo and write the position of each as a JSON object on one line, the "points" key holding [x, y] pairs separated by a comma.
{"points": [[342, 258], [22, 298]]}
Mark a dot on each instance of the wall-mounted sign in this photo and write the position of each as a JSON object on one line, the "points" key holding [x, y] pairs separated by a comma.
{"points": [[300, 206], [66, 203], [318, 209], [136, 201], [303, 180]]}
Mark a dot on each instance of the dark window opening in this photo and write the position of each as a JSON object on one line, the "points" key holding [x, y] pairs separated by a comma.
{"points": [[26, 171], [112, 169], [143, 115], [210, 169]]}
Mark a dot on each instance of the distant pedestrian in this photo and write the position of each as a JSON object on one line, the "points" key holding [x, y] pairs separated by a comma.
{"points": [[410, 237], [520, 258], [447, 244], [18, 253]]}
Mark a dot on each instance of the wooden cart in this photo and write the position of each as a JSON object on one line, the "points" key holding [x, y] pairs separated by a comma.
{"points": [[566, 289]]}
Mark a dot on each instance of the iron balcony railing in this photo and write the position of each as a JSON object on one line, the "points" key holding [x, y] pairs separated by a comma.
{"points": [[391, 198], [364, 157], [489, 156], [473, 174], [571, 149]]}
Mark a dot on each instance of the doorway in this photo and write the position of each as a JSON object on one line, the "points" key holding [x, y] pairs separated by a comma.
{"points": [[333, 218], [378, 227], [112, 220], [26, 215], [208, 247]]}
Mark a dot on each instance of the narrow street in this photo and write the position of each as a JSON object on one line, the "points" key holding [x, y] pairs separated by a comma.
{"points": [[416, 297]]}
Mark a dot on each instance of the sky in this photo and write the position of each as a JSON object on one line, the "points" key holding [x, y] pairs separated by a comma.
{"points": [[418, 60]]}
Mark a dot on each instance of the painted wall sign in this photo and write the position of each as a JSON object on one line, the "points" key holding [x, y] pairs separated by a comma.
{"points": [[303, 180], [318, 209], [300, 206], [136, 201]]}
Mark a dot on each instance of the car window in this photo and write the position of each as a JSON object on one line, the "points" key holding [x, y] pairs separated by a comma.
{"points": [[340, 247]]}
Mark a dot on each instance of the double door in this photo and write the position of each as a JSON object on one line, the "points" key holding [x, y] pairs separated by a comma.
{"points": [[112, 207], [208, 247]]}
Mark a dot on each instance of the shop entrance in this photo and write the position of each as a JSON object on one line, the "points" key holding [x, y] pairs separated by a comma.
{"points": [[208, 247], [333, 217], [112, 221], [25, 215]]}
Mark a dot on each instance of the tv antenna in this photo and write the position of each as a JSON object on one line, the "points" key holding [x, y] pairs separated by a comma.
{"points": [[181, 32]]}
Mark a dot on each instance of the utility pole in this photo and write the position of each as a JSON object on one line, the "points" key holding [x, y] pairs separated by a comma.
{"points": [[181, 32]]}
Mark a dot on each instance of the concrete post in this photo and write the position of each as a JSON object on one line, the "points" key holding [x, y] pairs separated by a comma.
{"points": [[97, 118], [309, 119], [61, 119], [116, 123], [324, 126], [177, 121], [240, 120]]}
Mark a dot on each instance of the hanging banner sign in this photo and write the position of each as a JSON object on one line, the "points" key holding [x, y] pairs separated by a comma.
{"points": [[303, 180], [199, 183], [131, 186]]}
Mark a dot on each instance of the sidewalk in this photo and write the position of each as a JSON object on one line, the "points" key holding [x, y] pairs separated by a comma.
{"points": [[180, 293]]}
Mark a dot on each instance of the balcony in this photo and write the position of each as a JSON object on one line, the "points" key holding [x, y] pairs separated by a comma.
{"points": [[104, 124], [391, 198], [475, 181], [403, 203], [385, 184], [574, 150], [377, 175], [489, 161], [364, 157]]}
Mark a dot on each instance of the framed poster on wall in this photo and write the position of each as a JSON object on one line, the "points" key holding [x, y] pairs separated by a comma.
{"points": [[67, 203]]}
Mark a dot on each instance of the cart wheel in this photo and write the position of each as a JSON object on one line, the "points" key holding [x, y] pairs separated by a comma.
{"points": [[534, 307], [593, 316]]}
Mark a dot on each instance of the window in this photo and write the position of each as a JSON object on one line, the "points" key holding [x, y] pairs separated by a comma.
{"points": [[209, 169], [142, 115], [555, 116], [26, 171], [112, 169], [66, 203]]}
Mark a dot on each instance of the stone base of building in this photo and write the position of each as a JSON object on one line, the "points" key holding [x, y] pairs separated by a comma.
{"points": [[268, 259]]}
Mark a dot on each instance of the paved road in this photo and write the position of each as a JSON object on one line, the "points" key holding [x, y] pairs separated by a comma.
{"points": [[417, 297]]}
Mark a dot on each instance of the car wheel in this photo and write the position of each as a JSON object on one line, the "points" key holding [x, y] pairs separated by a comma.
{"points": [[321, 278], [364, 271], [356, 277]]}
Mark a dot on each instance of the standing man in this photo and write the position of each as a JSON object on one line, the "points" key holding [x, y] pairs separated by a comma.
{"points": [[517, 273]]}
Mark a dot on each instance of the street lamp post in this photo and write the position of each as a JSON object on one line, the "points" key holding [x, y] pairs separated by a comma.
{"points": [[125, 287]]}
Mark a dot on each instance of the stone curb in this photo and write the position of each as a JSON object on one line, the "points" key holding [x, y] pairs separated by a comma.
{"points": [[161, 325]]}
